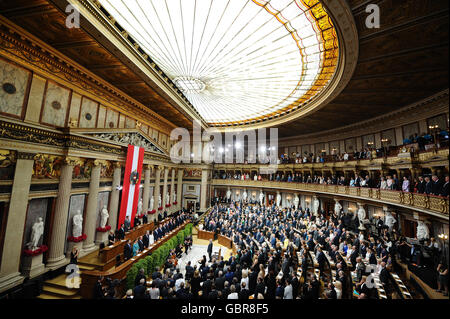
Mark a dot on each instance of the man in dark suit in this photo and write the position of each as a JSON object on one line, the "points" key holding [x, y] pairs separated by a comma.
{"points": [[421, 185], [127, 251], [445, 187], [353, 256], [384, 274], [321, 259], [127, 224], [428, 186], [121, 232], [210, 249], [436, 186], [139, 290], [141, 244], [146, 239]]}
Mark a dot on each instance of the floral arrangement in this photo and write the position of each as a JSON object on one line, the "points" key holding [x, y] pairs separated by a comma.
{"points": [[160, 208], [175, 202], [38, 251], [77, 239], [103, 229], [168, 205], [152, 211]]}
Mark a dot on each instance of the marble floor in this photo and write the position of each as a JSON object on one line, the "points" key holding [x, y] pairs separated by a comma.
{"points": [[197, 252]]}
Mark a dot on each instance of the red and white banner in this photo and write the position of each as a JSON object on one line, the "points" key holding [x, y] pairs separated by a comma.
{"points": [[131, 183]]}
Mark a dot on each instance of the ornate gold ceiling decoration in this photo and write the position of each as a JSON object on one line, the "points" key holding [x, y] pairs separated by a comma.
{"points": [[237, 61]]}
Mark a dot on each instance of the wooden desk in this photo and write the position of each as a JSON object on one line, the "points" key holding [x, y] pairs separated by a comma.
{"points": [[203, 234], [225, 241], [110, 252], [89, 278]]}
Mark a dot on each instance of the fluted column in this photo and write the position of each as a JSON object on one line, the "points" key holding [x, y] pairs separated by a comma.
{"points": [[115, 196], [146, 194], [156, 191], [203, 190], [166, 176], [172, 190], [12, 245], [180, 188], [91, 209], [56, 256]]}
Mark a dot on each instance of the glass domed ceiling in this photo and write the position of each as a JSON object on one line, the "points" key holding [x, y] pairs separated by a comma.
{"points": [[236, 60]]}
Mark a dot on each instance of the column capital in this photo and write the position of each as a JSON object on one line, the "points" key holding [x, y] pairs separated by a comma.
{"points": [[118, 164], [73, 161], [26, 156], [96, 162]]}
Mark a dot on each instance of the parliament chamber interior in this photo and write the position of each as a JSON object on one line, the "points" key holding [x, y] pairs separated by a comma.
{"points": [[224, 149]]}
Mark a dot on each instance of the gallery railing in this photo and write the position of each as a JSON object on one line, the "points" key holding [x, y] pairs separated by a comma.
{"points": [[423, 202]]}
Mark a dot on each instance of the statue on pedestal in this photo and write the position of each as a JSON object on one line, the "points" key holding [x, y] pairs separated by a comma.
{"points": [[278, 199], [174, 197], [228, 194], [337, 208], [36, 232], [316, 204], [296, 201], [103, 217], [361, 216], [261, 198], [389, 220], [159, 201], [152, 202], [422, 231], [77, 224], [167, 198], [139, 207], [244, 195]]}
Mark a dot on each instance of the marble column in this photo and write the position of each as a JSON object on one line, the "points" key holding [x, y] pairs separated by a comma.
{"points": [[180, 188], [146, 192], [166, 177], [12, 244], [156, 191], [203, 191], [172, 191], [115, 196], [56, 256], [90, 223]]}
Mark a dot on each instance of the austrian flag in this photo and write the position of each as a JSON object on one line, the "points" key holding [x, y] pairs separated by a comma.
{"points": [[131, 182]]}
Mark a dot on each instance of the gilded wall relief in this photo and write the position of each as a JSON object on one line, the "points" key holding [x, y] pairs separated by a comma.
{"points": [[47, 166], [107, 171], [13, 86], [81, 170], [7, 164], [192, 173]]}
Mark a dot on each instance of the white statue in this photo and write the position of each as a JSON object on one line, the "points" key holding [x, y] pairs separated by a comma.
{"points": [[77, 226], [361, 216], [167, 198], [389, 220], [36, 232], [261, 198], [228, 194], [316, 205], [159, 201], [244, 195], [152, 202], [174, 197], [422, 231], [139, 207], [296, 201], [103, 217], [278, 199], [337, 208]]}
